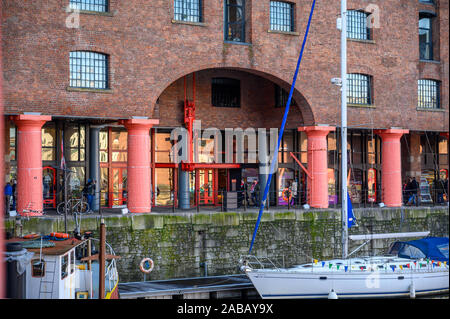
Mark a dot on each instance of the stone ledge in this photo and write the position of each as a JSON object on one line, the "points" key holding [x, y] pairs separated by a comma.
{"points": [[292, 33], [198, 24], [74, 89]]}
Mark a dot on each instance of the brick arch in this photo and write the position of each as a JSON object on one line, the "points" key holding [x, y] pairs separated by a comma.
{"points": [[303, 106]]}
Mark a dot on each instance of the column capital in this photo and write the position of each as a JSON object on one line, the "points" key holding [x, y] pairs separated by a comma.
{"points": [[317, 129], [139, 123], [391, 131], [31, 120]]}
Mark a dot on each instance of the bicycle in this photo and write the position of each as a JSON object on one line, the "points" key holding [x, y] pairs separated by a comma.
{"points": [[76, 205]]}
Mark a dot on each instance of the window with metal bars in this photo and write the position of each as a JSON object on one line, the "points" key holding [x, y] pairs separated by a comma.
{"points": [[359, 89], [226, 92], [428, 94], [90, 5], [88, 70], [188, 10], [281, 16], [425, 37], [235, 20], [357, 25]]}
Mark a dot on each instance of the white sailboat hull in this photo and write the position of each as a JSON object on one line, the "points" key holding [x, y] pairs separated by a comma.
{"points": [[303, 283]]}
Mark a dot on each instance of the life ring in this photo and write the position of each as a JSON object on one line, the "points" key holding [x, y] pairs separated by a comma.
{"points": [[144, 263], [31, 236], [284, 194], [59, 235]]}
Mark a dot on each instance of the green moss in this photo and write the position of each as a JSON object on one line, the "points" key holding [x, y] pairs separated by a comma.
{"points": [[284, 215]]}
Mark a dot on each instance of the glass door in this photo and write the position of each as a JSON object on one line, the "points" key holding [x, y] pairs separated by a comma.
{"points": [[206, 186], [118, 196]]}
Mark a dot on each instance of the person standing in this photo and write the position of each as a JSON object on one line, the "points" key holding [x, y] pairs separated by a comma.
{"points": [[14, 195], [90, 193], [294, 189], [8, 192], [254, 190], [414, 191]]}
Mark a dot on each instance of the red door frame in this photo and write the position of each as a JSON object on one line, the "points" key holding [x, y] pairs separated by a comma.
{"points": [[110, 165], [52, 199]]}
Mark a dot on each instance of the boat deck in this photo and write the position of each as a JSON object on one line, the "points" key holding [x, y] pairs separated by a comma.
{"points": [[184, 286]]}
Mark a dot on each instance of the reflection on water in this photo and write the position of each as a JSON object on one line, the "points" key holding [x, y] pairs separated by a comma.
{"points": [[443, 296]]}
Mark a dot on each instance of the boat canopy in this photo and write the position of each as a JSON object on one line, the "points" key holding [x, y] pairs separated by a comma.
{"points": [[435, 248]]}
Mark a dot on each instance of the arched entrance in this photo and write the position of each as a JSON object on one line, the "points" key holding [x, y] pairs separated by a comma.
{"points": [[223, 99]]}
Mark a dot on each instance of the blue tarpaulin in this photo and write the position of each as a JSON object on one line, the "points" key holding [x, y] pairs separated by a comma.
{"points": [[435, 248]]}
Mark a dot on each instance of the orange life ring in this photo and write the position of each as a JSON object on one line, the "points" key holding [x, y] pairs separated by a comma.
{"points": [[284, 196], [60, 235], [31, 236], [143, 263]]}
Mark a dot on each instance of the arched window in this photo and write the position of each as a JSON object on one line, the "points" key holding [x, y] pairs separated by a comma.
{"points": [[428, 94], [281, 16], [359, 87], [188, 10], [357, 27], [88, 70]]}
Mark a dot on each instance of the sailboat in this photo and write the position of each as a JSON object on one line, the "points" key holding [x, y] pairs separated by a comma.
{"points": [[410, 268]]}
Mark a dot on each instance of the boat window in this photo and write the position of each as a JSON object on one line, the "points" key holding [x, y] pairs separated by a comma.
{"points": [[72, 261], [37, 268], [64, 265], [394, 249], [411, 252], [443, 249]]}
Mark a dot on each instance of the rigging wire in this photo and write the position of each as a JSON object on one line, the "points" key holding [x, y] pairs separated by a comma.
{"points": [[288, 103]]}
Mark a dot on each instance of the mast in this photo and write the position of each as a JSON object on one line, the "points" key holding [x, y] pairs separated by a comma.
{"points": [[344, 128]]}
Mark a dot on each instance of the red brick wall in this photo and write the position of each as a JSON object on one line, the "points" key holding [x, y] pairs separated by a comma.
{"points": [[148, 53]]}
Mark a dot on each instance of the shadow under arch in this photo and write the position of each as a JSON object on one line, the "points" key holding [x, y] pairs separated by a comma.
{"points": [[303, 105]]}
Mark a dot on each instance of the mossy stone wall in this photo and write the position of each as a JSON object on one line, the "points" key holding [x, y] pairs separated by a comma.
{"points": [[181, 243]]}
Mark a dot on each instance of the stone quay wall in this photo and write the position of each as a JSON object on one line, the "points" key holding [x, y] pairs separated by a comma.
{"points": [[181, 244]]}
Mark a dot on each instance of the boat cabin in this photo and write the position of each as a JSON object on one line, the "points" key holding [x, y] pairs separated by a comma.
{"points": [[62, 269]]}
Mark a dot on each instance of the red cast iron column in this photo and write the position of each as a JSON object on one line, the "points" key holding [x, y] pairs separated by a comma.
{"points": [[391, 166], [317, 186], [29, 163], [138, 167]]}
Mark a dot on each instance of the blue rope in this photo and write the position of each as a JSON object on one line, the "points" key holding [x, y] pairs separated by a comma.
{"points": [[288, 103]]}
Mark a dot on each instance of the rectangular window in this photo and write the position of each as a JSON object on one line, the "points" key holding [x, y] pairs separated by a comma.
{"points": [[235, 20], [75, 142], [88, 70], [188, 10], [37, 268], [359, 89], [225, 92], [281, 97], [425, 38], [103, 146], [12, 142], [163, 147], [119, 145], [281, 16], [64, 266], [48, 142], [357, 25], [428, 94], [89, 5]]}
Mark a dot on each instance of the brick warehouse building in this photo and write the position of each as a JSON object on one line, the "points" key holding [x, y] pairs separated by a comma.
{"points": [[104, 86]]}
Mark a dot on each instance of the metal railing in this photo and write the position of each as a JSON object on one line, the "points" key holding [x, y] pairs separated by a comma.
{"points": [[207, 199]]}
